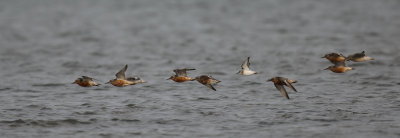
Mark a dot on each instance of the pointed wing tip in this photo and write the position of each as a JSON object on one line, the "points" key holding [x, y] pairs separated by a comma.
{"points": [[289, 84], [282, 90], [125, 67], [121, 74], [211, 87], [286, 95]]}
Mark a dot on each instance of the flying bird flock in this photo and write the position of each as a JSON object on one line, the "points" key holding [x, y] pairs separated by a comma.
{"points": [[338, 60]]}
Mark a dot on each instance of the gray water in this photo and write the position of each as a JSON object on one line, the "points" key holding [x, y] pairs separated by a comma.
{"points": [[47, 44]]}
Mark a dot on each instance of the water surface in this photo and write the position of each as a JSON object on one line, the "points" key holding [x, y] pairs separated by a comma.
{"points": [[46, 45]]}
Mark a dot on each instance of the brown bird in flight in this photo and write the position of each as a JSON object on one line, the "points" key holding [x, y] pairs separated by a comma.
{"points": [[340, 67], [181, 76], [121, 81], [279, 82], [207, 81], [85, 81], [334, 57], [359, 57]]}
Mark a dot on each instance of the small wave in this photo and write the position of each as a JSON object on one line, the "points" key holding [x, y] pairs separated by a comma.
{"points": [[166, 121], [44, 123], [49, 85], [205, 98], [26, 90], [129, 120], [85, 113], [216, 73], [33, 106], [378, 77], [18, 121], [323, 119], [134, 106], [5, 89], [265, 123], [13, 109], [125, 120], [209, 113], [252, 83]]}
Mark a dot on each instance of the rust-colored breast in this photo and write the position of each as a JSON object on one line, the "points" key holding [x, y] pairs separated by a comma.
{"points": [[121, 83], [83, 83], [181, 79], [336, 59], [340, 69]]}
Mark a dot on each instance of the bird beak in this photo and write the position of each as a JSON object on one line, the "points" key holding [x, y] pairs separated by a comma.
{"points": [[326, 68], [323, 57], [73, 83], [168, 79], [107, 83]]}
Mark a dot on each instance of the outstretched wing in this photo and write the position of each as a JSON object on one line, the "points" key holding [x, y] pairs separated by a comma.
{"points": [[182, 72], [132, 78], [289, 84], [246, 63], [88, 78], [359, 55], [282, 90], [333, 57], [121, 73], [210, 86]]}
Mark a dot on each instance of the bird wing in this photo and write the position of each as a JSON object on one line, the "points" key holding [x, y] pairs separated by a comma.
{"points": [[359, 55], [282, 90], [210, 86], [333, 55], [246, 63], [182, 72], [202, 79], [121, 73], [132, 78], [88, 78], [289, 84]]}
